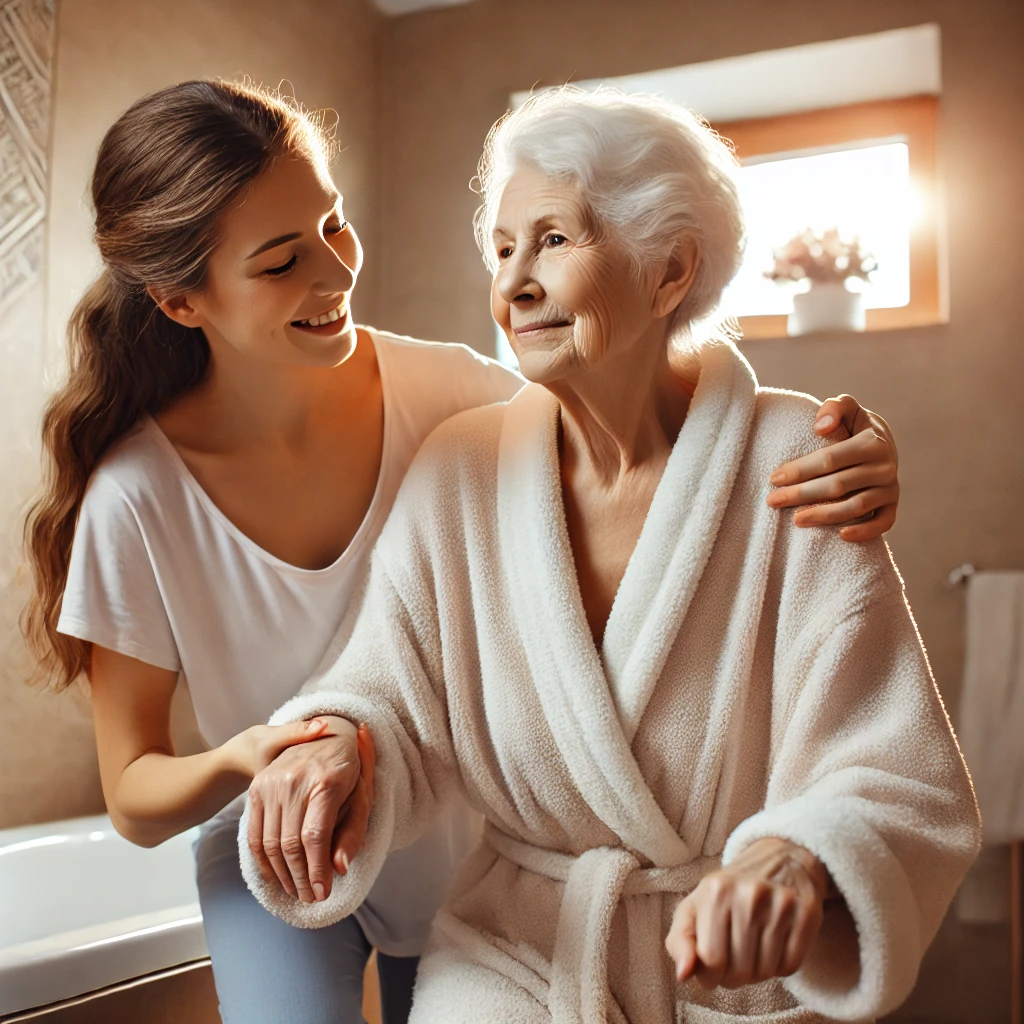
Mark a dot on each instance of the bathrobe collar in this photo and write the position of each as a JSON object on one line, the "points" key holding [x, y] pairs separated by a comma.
{"points": [[594, 701]]}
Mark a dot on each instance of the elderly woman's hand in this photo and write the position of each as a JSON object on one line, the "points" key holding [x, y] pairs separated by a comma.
{"points": [[754, 920], [848, 480], [309, 809]]}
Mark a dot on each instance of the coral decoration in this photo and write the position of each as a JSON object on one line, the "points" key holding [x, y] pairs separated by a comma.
{"points": [[821, 258]]}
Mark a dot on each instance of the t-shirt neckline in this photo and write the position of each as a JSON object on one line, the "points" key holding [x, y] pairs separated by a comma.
{"points": [[356, 543]]}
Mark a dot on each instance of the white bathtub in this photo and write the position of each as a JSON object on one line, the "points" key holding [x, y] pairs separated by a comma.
{"points": [[81, 908]]}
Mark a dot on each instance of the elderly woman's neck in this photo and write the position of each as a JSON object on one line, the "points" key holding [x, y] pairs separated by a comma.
{"points": [[625, 414]]}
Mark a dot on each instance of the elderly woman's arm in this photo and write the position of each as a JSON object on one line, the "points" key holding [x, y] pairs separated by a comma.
{"points": [[389, 679], [853, 483], [867, 777]]}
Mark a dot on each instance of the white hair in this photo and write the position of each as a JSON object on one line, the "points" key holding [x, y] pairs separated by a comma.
{"points": [[651, 172]]}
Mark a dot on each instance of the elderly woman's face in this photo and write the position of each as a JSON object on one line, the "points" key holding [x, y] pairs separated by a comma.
{"points": [[565, 293]]}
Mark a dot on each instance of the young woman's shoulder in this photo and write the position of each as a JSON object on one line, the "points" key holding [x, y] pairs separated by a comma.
{"points": [[452, 478], [135, 471], [463, 377], [457, 461], [111, 595]]}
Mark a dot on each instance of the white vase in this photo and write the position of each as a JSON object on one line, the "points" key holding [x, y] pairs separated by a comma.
{"points": [[826, 307]]}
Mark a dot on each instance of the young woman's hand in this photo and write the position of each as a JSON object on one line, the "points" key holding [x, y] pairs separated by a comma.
{"points": [[350, 833], [754, 920], [843, 483], [300, 813], [254, 748]]}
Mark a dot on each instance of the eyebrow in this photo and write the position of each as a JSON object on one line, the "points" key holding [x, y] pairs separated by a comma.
{"points": [[290, 237], [280, 240], [544, 221]]}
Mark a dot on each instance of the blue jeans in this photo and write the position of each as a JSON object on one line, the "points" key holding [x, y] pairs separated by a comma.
{"points": [[268, 972]]}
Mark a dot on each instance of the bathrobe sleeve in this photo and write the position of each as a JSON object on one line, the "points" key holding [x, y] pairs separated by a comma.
{"points": [[390, 677], [865, 773]]}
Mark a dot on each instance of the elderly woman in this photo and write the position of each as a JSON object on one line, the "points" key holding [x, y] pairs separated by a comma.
{"points": [[685, 722]]}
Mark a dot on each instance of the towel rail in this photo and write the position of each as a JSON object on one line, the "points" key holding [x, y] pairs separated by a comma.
{"points": [[960, 574]]}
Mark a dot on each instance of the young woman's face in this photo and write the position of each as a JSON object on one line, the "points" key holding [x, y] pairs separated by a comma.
{"points": [[287, 260]]}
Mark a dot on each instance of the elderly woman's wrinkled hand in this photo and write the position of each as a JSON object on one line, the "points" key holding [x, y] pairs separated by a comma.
{"points": [[855, 479], [751, 921], [309, 809]]}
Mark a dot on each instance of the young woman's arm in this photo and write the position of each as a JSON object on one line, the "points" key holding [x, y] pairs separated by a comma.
{"points": [[150, 793], [853, 483]]}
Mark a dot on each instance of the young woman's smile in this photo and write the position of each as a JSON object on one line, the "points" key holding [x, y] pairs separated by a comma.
{"points": [[328, 324]]}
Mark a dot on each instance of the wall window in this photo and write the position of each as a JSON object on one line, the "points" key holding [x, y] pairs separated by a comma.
{"points": [[866, 169], [863, 192]]}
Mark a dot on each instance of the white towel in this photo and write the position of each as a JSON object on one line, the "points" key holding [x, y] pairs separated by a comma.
{"points": [[992, 701]]}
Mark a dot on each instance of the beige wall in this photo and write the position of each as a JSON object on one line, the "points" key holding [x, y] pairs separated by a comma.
{"points": [[110, 52], [951, 393]]}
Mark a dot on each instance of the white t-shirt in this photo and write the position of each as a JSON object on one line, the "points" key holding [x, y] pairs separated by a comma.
{"points": [[159, 573]]}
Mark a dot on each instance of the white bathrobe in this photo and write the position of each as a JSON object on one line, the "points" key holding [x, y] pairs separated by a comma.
{"points": [[754, 680]]}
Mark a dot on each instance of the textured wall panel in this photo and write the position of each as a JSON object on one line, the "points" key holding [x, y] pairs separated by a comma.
{"points": [[26, 50]]}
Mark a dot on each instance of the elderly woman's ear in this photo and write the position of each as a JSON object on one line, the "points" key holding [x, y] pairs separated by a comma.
{"points": [[676, 281]]}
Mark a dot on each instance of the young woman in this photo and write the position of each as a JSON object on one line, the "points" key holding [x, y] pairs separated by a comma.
{"points": [[222, 457]]}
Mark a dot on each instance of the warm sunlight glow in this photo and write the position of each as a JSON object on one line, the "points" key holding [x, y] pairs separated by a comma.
{"points": [[864, 191], [503, 351]]}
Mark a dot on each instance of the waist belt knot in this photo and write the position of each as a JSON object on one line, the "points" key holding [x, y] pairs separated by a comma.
{"points": [[595, 882]]}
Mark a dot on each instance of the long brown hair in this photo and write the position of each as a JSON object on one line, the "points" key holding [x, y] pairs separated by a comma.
{"points": [[165, 172]]}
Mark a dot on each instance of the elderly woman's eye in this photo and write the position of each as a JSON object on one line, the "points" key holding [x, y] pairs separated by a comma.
{"points": [[504, 252], [557, 240]]}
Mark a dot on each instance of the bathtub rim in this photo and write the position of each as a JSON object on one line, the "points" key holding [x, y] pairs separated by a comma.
{"points": [[70, 964]]}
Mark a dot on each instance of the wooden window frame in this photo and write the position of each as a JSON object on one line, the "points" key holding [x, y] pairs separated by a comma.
{"points": [[912, 120]]}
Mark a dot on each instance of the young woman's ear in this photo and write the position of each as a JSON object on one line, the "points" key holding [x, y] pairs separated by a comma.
{"points": [[680, 272], [177, 307]]}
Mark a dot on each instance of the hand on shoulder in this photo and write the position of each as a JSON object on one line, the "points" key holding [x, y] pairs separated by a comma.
{"points": [[853, 483]]}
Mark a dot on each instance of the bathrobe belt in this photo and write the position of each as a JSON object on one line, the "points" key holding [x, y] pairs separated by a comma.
{"points": [[595, 882]]}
